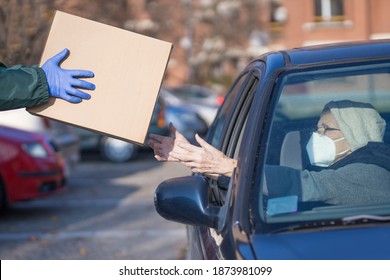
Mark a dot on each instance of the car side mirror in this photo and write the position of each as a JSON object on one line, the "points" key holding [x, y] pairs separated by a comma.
{"points": [[186, 200]]}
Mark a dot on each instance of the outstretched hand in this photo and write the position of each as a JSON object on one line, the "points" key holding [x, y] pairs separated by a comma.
{"points": [[164, 146], [65, 84], [204, 159]]}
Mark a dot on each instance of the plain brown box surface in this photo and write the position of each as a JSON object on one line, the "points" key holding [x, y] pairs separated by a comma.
{"points": [[129, 70]]}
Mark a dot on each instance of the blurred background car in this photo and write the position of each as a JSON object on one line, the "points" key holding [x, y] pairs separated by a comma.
{"points": [[204, 101], [61, 135], [185, 119], [30, 167], [116, 150]]}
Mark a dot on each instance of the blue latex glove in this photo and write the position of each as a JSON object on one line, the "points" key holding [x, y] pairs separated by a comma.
{"points": [[65, 84]]}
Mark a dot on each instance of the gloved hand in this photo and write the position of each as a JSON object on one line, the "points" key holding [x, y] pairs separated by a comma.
{"points": [[65, 84]]}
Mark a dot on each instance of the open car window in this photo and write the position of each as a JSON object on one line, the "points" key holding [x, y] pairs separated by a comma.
{"points": [[296, 189], [230, 122], [214, 136]]}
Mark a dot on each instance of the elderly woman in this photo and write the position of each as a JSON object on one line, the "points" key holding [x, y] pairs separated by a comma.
{"points": [[348, 141]]}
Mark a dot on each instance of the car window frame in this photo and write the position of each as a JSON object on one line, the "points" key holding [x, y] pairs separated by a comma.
{"points": [[240, 115], [274, 96], [234, 123], [230, 101]]}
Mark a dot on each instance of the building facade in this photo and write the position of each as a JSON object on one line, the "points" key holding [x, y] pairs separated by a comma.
{"points": [[295, 23]]}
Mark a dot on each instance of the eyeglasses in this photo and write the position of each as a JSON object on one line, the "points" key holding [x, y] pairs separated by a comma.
{"points": [[323, 129]]}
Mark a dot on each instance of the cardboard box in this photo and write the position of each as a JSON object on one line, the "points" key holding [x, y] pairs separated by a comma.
{"points": [[129, 70]]}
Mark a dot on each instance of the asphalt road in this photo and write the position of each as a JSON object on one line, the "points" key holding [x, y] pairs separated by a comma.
{"points": [[107, 212]]}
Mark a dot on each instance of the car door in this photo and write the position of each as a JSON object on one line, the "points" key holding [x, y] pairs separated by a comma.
{"points": [[225, 134]]}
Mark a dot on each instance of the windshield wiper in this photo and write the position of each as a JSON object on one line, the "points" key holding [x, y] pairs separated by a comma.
{"points": [[310, 225], [352, 220], [365, 219]]}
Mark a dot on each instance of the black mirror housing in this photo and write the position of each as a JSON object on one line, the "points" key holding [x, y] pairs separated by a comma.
{"points": [[186, 200]]}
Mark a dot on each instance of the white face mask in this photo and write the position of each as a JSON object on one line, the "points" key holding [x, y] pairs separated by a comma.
{"points": [[322, 150]]}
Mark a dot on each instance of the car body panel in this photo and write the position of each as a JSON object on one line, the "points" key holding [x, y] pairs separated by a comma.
{"points": [[342, 244]]}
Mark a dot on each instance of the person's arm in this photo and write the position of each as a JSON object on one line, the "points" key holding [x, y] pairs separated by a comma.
{"points": [[22, 86], [26, 86], [204, 159], [346, 185]]}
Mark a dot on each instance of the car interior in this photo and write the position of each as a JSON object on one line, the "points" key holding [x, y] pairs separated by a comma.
{"points": [[295, 117]]}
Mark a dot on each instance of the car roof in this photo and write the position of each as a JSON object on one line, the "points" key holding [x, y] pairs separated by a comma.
{"points": [[18, 135], [337, 52]]}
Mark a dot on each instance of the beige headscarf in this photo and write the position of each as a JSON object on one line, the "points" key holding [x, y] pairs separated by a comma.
{"points": [[359, 122]]}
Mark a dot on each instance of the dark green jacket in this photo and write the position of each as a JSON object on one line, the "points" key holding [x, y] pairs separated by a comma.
{"points": [[22, 86]]}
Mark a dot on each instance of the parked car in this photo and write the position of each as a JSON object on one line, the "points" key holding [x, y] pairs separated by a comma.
{"points": [[202, 100], [61, 135], [29, 166], [115, 150], [264, 122], [184, 116]]}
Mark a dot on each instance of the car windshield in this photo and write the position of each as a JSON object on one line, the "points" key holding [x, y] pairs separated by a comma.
{"points": [[328, 153]]}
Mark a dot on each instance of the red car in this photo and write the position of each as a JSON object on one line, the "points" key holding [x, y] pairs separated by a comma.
{"points": [[29, 166]]}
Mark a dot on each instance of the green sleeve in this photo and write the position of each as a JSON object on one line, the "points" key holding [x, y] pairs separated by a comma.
{"points": [[22, 86]]}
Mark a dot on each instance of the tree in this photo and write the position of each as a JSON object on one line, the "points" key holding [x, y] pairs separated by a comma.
{"points": [[26, 23], [25, 26]]}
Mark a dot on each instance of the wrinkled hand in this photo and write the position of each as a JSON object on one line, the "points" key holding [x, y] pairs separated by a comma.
{"points": [[65, 84], [164, 146], [204, 159]]}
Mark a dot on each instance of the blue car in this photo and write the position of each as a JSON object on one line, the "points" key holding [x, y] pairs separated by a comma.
{"points": [[278, 204]]}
